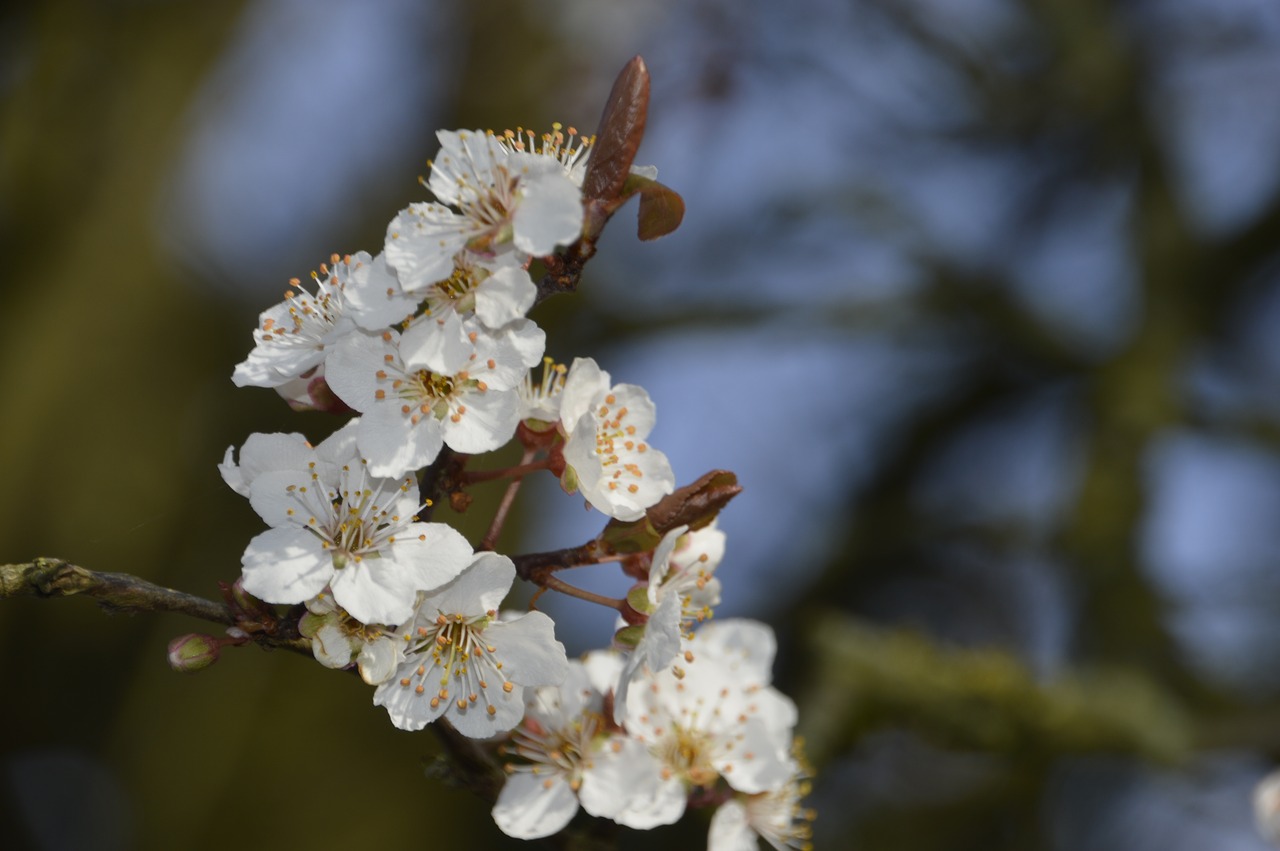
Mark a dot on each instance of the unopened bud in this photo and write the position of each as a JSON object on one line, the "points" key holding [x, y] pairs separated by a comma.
{"points": [[324, 399], [193, 652], [250, 606]]}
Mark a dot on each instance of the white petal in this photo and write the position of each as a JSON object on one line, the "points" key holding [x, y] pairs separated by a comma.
{"points": [[436, 343], [433, 553], [532, 806], [339, 448], [375, 590], [289, 497], [421, 242], [623, 781], [262, 453], [286, 565], [352, 368], [377, 660], [479, 589], [528, 342], [584, 381], [655, 652], [603, 668], [393, 445], [331, 647], [550, 212], [375, 298], [475, 721], [489, 421], [407, 709], [504, 296], [530, 654], [730, 830], [757, 760], [747, 647]]}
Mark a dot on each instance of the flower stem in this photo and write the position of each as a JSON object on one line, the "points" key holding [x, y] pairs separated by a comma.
{"points": [[573, 591], [490, 539], [524, 468]]}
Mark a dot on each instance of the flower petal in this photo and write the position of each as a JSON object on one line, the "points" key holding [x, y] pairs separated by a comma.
{"points": [[532, 806], [530, 654], [286, 565]]}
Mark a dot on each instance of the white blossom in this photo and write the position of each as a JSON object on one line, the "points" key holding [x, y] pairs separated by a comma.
{"points": [[293, 337], [336, 524], [567, 753], [497, 290], [719, 720], [779, 817], [339, 640], [681, 593], [462, 662], [501, 196], [444, 381], [606, 428]]}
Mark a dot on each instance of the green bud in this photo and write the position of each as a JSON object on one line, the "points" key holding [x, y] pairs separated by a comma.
{"points": [[193, 652]]}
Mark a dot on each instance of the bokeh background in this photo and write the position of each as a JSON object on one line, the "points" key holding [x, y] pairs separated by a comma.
{"points": [[979, 298]]}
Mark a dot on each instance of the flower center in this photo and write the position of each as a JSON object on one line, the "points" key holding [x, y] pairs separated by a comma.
{"points": [[688, 753], [462, 664]]}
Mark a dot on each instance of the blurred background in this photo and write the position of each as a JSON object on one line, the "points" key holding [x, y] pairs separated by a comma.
{"points": [[978, 298]]}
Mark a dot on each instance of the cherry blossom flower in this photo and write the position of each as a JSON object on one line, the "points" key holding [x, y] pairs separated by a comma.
{"points": [[680, 593], [502, 196], [497, 290], [779, 817], [335, 524], [444, 381], [293, 337], [718, 720], [568, 753], [462, 662], [338, 640], [617, 471]]}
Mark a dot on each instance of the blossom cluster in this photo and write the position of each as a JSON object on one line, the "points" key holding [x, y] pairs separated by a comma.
{"points": [[426, 347]]}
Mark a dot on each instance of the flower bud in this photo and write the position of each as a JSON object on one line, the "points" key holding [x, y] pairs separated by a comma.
{"points": [[324, 399], [193, 652], [250, 606]]}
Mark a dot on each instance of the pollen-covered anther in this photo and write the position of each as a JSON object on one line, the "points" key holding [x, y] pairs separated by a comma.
{"points": [[508, 686]]}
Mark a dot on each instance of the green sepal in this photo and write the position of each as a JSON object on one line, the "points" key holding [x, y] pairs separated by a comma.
{"points": [[638, 599], [626, 537], [629, 636]]}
